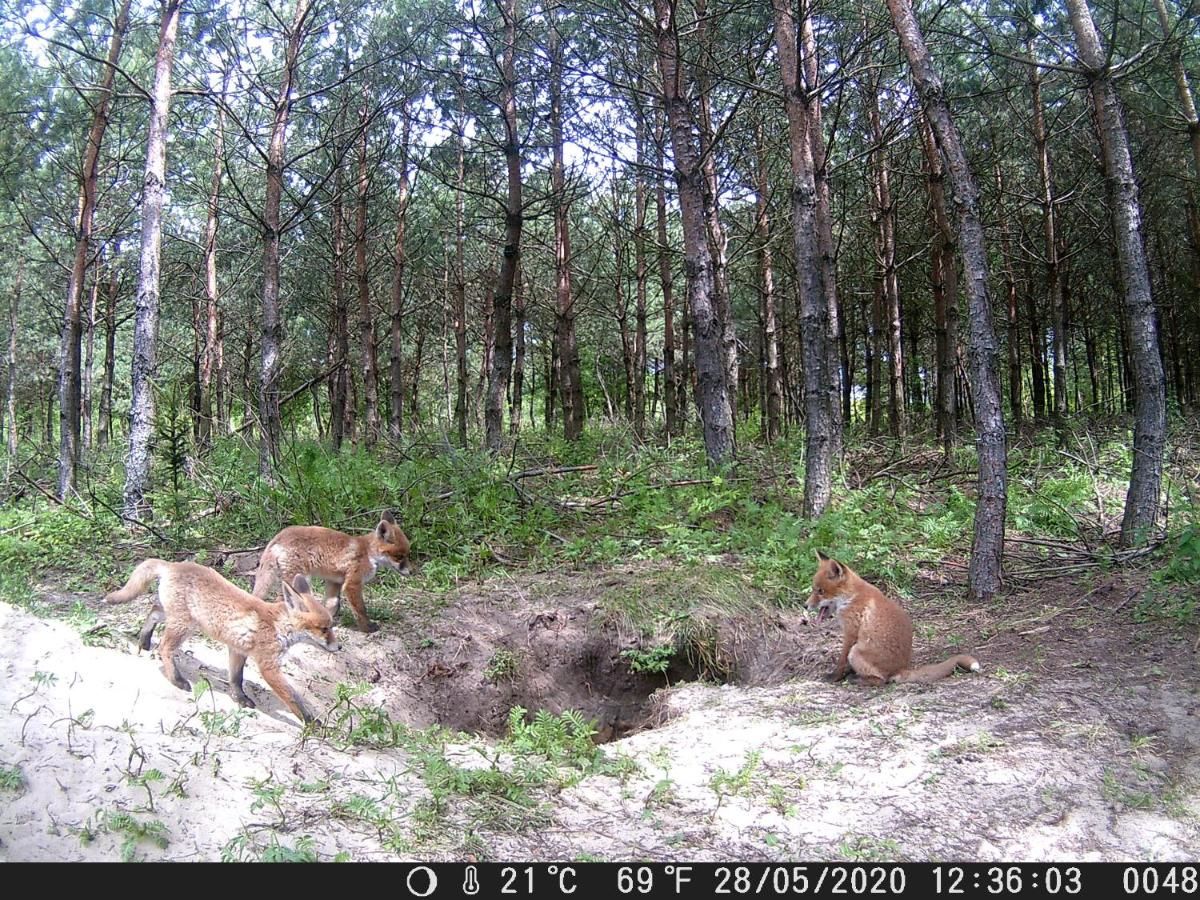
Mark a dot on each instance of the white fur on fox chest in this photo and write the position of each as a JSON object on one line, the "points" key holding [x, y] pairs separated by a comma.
{"points": [[839, 604]]}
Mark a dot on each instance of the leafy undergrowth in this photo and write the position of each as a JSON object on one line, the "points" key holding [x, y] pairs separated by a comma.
{"points": [[546, 504]]}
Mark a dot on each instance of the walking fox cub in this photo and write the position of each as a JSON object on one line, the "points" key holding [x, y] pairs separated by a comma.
{"points": [[345, 563], [194, 598], [876, 631]]}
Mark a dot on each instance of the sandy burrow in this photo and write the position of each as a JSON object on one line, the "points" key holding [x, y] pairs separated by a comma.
{"points": [[802, 771]]}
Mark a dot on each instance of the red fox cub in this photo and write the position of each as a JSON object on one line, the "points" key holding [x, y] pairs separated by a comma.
{"points": [[194, 598], [876, 631], [345, 563]]}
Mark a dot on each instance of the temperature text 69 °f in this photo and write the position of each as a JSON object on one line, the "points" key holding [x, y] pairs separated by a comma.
{"points": [[640, 879]]}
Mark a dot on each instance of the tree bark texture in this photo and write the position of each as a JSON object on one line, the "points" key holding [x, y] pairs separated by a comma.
{"points": [[715, 409], [1150, 401], [987, 552], [396, 306], [366, 317], [814, 310], [570, 382], [501, 368], [272, 327], [145, 328], [69, 348]]}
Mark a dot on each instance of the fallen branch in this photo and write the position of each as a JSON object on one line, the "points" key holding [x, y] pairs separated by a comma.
{"points": [[545, 470]]}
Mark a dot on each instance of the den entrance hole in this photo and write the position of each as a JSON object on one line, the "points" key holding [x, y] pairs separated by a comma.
{"points": [[487, 660]]}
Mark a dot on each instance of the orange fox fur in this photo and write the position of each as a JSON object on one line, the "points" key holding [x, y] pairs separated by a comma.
{"points": [[194, 598], [345, 563], [876, 630]]}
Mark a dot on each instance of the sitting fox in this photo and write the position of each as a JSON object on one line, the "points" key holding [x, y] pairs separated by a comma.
{"points": [[876, 631], [194, 598], [345, 563]]}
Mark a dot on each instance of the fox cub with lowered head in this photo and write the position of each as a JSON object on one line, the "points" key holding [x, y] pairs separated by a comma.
{"points": [[344, 562], [194, 598], [876, 631]]}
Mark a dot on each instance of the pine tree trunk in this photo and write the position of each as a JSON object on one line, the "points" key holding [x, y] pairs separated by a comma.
{"points": [[671, 384], [944, 269], [339, 326], [85, 395], [211, 351], [414, 405], [1010, 293], [987, 552], [638, 383], [14, 308], [460, 272], [839, 362], [1149, 434], [366, 316], [145, 329], [272, 328], [400, 262], [569, 375], [501, 367], [814, 309], [718, 242], [716, 413], [772, 383], [884, 214], [69, 348], [515, 403], [1054, 280], [104, 433], [1187, 106]]}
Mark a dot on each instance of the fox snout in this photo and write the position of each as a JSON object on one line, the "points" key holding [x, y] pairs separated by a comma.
{"points": [[822, 606], [389, 563]]}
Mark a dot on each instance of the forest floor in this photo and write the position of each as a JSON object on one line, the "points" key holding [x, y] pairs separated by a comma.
{"points": [[1078, 740]]}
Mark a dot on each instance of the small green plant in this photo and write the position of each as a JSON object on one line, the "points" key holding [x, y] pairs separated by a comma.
{"points": [[134, 832], [503, 665], [217, 722], [564, 740], [727, 784], [354, 725], [662, 794], [267, 794], [11, 779], [651, 660], [244, 848], [866, 848]]}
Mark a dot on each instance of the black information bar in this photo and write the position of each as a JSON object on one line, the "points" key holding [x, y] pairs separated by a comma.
{"points": [[650, 881]]}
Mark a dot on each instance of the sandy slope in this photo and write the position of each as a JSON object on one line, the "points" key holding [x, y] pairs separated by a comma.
{"points": [[986, 767]]}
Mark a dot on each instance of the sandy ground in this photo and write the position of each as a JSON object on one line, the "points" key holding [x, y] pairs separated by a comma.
{"points": [[1080, 740]]}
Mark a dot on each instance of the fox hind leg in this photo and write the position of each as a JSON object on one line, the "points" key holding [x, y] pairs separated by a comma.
{"points": [[173, 636], [157, 616], [868, 671]]}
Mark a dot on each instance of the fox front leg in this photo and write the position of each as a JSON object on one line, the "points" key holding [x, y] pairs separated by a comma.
{"points": [[279, 684], [839, 671], [352, 588]]}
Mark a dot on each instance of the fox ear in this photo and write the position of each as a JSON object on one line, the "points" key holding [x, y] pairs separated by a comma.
{"points": [[300, 583], [332, 604], [821, 556], [836, 569], [291, 599], [389, 516]]}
